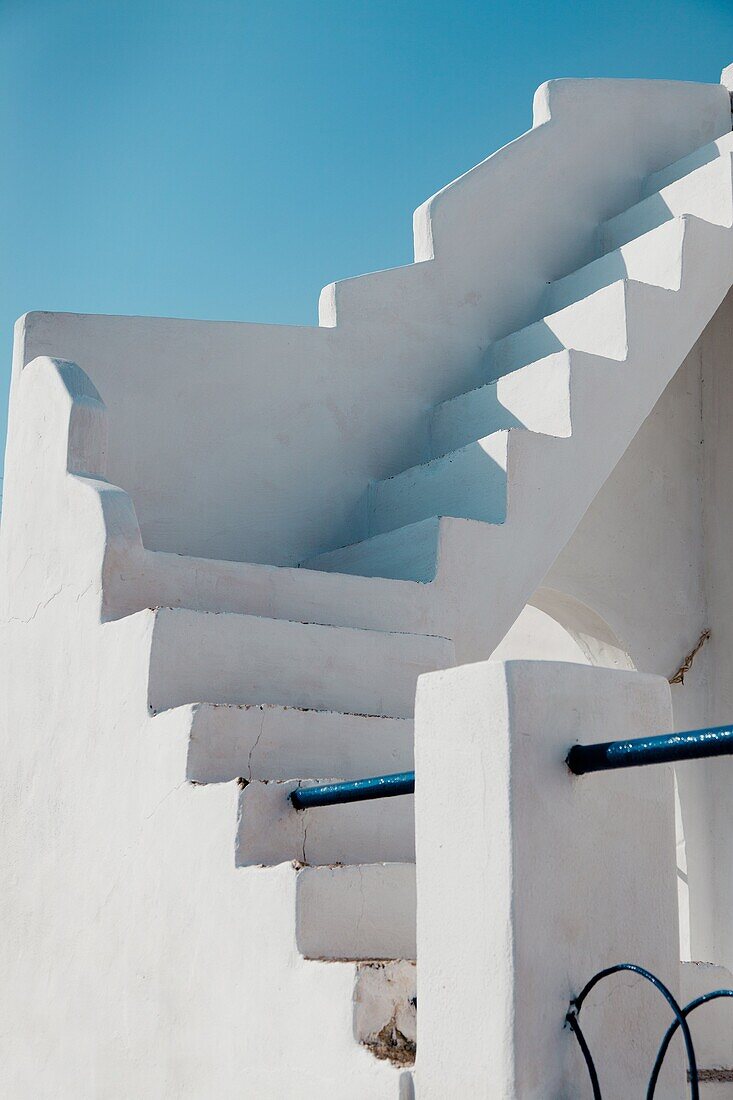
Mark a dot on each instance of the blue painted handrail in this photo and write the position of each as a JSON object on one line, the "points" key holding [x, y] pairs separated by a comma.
{"points": [[357, 790], [670, 748]]}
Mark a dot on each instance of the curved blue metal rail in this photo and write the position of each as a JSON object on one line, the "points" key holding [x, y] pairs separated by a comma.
{"points": [[680, 1021], [577, 1003], [714, 996]]}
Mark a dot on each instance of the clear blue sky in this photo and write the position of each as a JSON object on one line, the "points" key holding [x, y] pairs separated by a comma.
{"points": [[228, 158]]}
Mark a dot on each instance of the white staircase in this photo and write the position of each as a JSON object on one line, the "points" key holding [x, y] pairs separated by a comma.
{"points": [[277, 704], [199, 657], [285, 676], [651, 260]]}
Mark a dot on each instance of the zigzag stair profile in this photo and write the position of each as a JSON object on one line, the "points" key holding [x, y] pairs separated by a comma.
{"points": [[257, 711], [322, 686], [279, 704], [528, 373]]}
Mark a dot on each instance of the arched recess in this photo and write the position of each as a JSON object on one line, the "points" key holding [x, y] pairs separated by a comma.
{"points": [[556, 627]]}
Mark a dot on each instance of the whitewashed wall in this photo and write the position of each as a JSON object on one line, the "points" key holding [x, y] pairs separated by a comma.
{"points": [[652, 557], [257, 442], [530, 880], [254, 443]]}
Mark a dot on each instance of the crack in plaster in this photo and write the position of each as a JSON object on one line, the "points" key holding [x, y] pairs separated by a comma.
{"points": [[155, 809], [46, 603], [360, 918], [256, 743], [305, 837]]}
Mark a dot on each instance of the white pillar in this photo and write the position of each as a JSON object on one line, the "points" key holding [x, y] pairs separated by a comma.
{"points": [[530, 880]]}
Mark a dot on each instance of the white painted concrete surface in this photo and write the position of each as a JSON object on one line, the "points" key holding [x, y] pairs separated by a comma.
{"points": [[530, 880], [651, 557], [271, 742], [200, 657], [159, 498], [365, 832], [711, 1023], [416, 334], [363, 911]]}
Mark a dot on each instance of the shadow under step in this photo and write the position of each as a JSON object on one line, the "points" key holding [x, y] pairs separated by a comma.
{"points": [[596, 324], [654, 258], [407, 553], [469, 483], [687, 164], [706, 193], [535, 397]]}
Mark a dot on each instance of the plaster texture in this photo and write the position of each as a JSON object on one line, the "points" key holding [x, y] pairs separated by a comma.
{"points": [[141, 957], [651, 557], [545, 879], [710, 1024], [228, 551]]}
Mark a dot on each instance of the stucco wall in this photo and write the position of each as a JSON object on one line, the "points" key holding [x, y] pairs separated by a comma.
{"points": [[342, 405], [652, 557]]}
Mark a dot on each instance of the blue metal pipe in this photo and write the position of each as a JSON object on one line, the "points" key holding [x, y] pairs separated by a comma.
{"points": [[356, 790], [669, 748]]}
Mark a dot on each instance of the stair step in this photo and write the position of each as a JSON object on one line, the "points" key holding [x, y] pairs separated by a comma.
{"points": [[356, 912], [679, 168], [271, 831], [203, 657], [596, 324], [269, 591], [655, 258], [407, 553], [468, 483], [265, 741], [536, 397], [706, 192]]}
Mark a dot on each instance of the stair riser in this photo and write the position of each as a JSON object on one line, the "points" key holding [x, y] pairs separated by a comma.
{"points": [[697, 159], [655, 258], [409, 553], [356, 912], [596, 325], [271, 592], [269, 742], [271, 831], [470, 483], [705, 193], [536, 397], [240, 659]]}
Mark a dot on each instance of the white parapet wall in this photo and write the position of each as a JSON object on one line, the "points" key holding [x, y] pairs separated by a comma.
{"points": [[530, 880], [169, 624], [257, 442], [142, 954]]}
